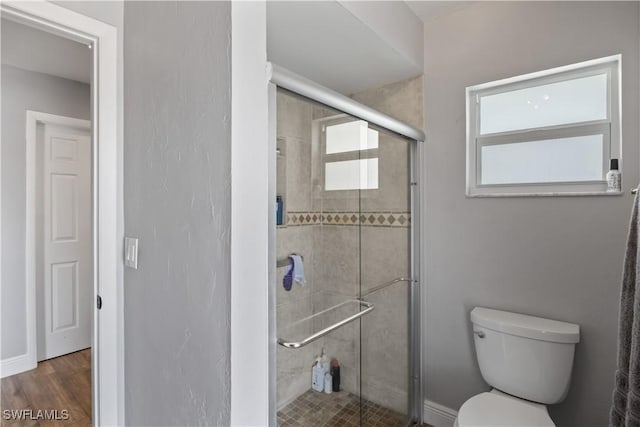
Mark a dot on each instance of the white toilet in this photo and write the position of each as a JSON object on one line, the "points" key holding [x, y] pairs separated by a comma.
{"points": [[527, 360]]}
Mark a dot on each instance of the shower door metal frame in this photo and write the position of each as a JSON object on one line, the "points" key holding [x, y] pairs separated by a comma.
{"points": [[281, 77]]}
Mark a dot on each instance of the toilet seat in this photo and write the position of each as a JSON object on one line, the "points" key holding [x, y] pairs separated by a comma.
{"points": [[496, 409]]}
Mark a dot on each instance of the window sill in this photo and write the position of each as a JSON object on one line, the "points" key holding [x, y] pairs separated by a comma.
{"points": [[549, 194]]}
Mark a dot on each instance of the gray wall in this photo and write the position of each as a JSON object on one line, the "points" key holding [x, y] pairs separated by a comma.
{"points": [[110, 12], [24, 90], [554, 257], [177, 202]]}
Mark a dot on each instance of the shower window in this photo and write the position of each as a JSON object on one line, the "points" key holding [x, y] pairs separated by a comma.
{"points": [[350, 154], [351, 175], [551, 132]]}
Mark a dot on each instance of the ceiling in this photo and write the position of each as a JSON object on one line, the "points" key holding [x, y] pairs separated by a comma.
{"points": [[326, 43], [321, 40], [34, 50], [430, 10], [351, 46]]}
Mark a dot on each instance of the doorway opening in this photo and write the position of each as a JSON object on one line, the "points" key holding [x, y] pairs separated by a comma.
{"points": [[62, 165], [55, 183]]}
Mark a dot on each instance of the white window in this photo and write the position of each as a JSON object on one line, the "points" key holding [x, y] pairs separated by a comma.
{"points": [[350, 156], [546, 133]]}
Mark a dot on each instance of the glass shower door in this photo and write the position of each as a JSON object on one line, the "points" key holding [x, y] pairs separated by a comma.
{"points": [[319, 215], [385, 272], [343, 208]]}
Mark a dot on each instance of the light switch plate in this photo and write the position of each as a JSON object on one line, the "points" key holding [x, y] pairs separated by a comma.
{"points": [[131, 252]]}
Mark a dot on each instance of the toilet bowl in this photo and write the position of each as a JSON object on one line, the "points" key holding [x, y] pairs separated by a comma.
{"points": [[528, 362]]}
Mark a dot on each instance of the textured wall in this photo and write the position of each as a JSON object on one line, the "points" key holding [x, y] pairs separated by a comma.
{"points": [[177, 202], [555, 257], [24, 90]]}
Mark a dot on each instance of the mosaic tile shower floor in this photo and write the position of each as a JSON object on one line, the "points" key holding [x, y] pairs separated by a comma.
{"points": [[313, 409]]}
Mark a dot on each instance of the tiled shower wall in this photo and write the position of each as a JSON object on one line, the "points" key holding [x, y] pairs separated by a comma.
{"points": [[336, 252]]}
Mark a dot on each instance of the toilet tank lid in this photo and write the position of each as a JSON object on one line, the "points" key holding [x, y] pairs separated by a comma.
{"points": [[526, 326]]}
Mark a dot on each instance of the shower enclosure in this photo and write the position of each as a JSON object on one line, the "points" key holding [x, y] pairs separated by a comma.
{"points": [[345, 194]]}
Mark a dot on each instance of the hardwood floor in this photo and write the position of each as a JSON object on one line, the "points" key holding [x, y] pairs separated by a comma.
{"points": [[63, 383]]}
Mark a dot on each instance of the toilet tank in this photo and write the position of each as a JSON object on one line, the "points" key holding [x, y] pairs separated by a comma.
{"points": [[525, 356]]}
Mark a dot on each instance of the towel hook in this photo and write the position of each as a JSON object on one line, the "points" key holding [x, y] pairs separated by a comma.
{"points": [[285, 261]]}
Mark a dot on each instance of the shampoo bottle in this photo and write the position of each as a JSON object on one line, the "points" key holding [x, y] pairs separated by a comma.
{"points": [[324, 362], [327, 383], [614, 178], [317, 376], [279, 211]]}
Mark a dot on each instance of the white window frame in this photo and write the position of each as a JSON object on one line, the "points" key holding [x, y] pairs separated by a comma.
{"points": [[320, 126], [609, 128]]}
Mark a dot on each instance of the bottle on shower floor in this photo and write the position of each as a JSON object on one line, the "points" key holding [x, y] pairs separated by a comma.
{"points": [[327, 383], [317, 376], [335, 375], [324, 361]]}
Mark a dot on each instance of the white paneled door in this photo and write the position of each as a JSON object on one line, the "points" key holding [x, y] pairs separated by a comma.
{"points": [[67, 270]]}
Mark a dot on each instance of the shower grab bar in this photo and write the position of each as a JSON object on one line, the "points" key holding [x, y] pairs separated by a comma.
{"points": [[634, 190], [387, 284], [285, 261], [325, 331]]}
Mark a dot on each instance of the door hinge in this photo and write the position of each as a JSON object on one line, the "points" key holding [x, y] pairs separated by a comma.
{"points": [[99, 302]]}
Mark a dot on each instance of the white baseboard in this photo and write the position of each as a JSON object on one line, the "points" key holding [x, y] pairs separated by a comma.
{"points": [[438, 415], [17, 364]]}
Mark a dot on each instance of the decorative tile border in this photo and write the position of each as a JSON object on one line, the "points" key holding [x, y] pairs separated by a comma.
{"points": [[303, 218], [370, 219]]}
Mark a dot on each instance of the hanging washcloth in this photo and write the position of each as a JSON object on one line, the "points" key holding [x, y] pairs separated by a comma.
{"points": [[298, 269], [625, 410], [287, 281]]}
